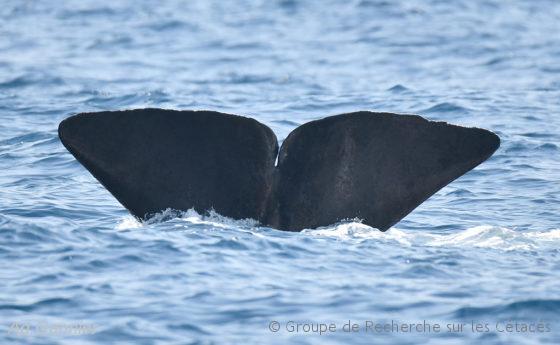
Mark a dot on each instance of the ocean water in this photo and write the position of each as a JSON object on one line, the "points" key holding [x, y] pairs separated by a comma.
{"points": [[76, 268]]}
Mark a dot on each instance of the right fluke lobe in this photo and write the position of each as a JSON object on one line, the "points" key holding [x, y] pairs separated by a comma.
{"points": [[376, 167], [373, 166]]}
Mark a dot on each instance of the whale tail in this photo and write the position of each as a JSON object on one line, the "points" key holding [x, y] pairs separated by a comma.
{"points": [[376, 167]]}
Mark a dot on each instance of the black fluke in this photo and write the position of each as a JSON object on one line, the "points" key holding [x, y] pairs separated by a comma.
{"points": [[376, 167]]}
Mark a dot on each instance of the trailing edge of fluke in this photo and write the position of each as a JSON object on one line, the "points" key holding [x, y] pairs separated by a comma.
{"points": [[376, 167]]}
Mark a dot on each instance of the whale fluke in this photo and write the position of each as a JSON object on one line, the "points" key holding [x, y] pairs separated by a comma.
{"points": [[153, 159], [376, 167]]}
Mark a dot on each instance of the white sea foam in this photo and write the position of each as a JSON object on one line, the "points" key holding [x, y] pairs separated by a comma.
{"points": [[359, 231], [212, 218], [217, 220], [483, 236], [128, 222]]}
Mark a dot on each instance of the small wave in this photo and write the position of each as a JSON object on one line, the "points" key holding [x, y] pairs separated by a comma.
{"points": [[87, 12], [496, 61], [289, 5], [234, 78], [461, 192], [16, 82], [170, 25], [518, 309], [107, 43], [552, 235], [484, 236], [547, 147], [287, 123], [446, 107], [526, 146], [355, 230], [539, 135], [101, 99], [129, 222], [398, 89], [49, 303], [28, 80], [30, 137], [211, 218]]}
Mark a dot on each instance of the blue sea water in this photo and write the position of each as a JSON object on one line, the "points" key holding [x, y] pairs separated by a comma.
{"points": [[483, 250]]}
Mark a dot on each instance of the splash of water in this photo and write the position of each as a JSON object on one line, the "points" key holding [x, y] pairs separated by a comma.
{"points": [[483, 236]]}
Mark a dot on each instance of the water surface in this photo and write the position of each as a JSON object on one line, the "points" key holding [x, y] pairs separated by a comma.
{"points": [[484, 249]]}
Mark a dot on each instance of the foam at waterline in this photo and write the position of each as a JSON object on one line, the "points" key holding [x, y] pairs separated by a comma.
{"points": [[354, 230], [212, 218], [483, 236]]}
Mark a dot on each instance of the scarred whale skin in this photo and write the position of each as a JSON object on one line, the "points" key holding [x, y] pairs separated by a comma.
{"points": [[376, 167]]}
